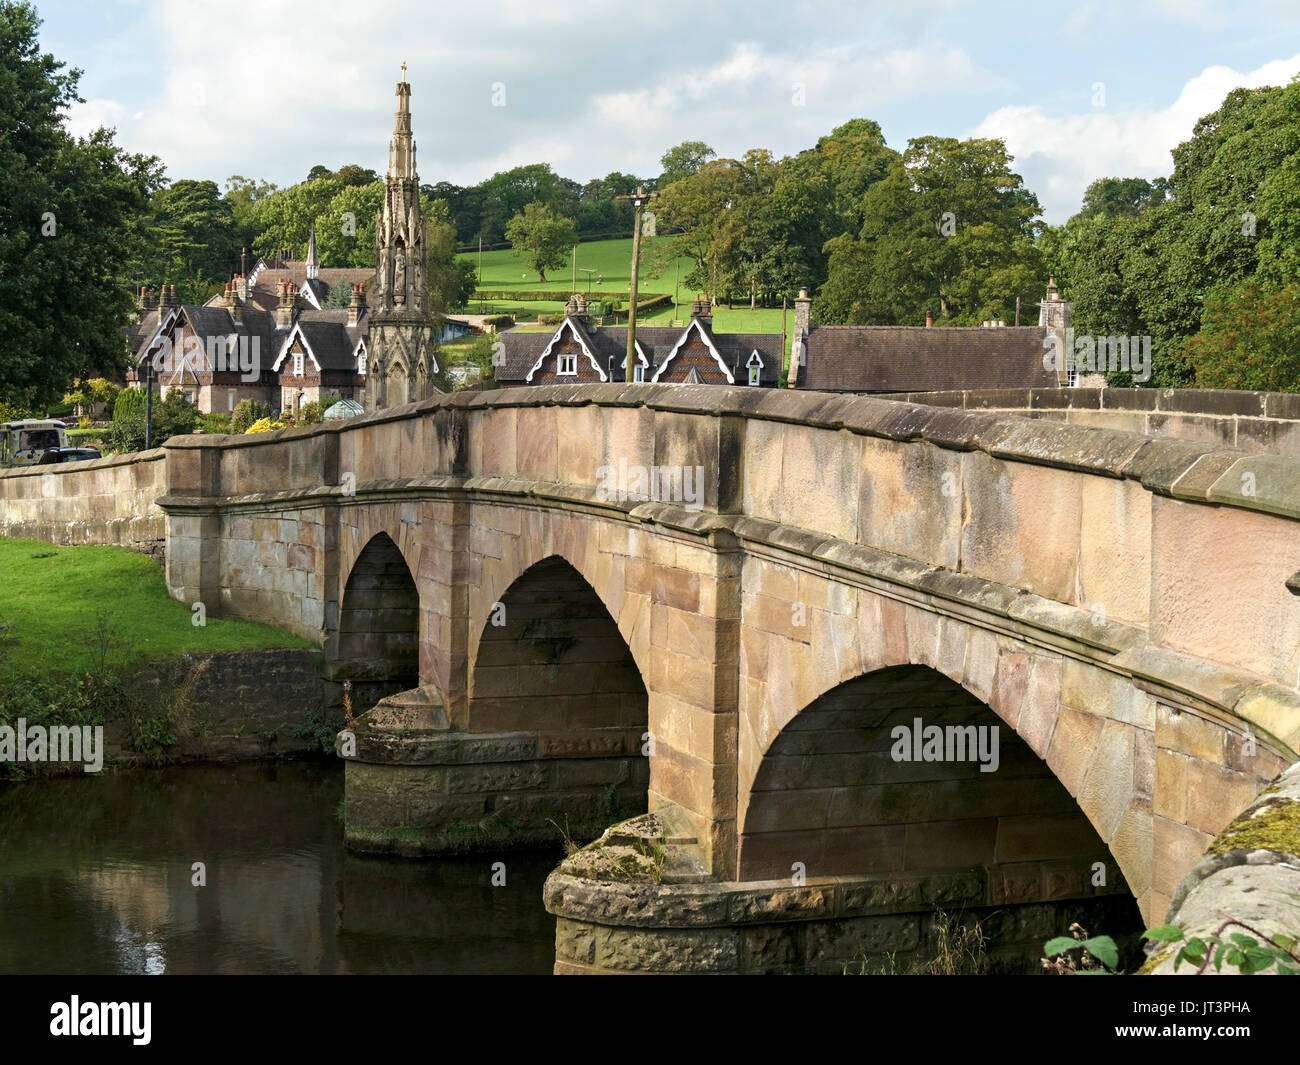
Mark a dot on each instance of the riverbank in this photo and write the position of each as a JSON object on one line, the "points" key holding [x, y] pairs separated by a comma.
{"points": [[90, 639]]}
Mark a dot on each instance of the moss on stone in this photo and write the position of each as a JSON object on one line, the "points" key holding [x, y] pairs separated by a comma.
{"points": [[1274, 825]]}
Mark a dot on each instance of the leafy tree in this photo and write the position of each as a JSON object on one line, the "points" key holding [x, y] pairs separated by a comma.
{"points": [[950, 229], [242, 193], [1249, 338], [197, 239], [73, 226], [545, 237], [285, 218], [1147, 263], [682, 161]]}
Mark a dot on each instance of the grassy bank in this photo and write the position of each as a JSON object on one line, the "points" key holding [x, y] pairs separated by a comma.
{"points": [[69, 610]]}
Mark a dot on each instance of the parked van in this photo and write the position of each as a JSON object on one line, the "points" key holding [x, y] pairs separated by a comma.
{"points": [[22, 443]]}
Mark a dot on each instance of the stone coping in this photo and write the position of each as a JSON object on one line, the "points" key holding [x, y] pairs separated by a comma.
{"points": [[1280, 406], [1164, 466], [1215, 691]]}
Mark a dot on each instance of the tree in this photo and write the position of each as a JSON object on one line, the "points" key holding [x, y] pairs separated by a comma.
{"points": [[1149, 262], [1249, 338], [950, 229], [242, 193], [545, 237], [197, 239], [73, 226], [682, 161]]}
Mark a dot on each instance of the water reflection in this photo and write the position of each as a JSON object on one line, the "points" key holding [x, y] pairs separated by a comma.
{"points": [[96, 877]]}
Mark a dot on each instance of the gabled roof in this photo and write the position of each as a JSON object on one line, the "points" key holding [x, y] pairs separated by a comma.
{"points": [[326, 338], [704, 333], [889, 358], [574, 328], [522, 351]]}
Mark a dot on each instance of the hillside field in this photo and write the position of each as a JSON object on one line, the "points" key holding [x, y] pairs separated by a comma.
{"points": [[612, 259]]}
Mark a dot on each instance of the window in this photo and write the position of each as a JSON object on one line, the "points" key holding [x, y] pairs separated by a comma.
{"points": [[638, 373], [568, 366], [755, 366], [753, 375], [297, 364], [361, 360], [230, 399]]}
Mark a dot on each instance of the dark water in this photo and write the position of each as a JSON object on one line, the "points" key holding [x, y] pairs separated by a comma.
{"points": [[95, 877]]}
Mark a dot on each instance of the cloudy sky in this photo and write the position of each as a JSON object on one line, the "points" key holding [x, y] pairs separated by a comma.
{"points": [[268, 88]]}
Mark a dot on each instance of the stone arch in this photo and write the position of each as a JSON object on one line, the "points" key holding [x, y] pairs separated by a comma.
{"points": [[841, 790], [538, 535], [550, 655], [1093, 729], [379, 619]]}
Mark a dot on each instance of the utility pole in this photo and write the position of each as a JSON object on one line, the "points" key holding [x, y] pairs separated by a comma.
{"points": [[638, 199], [677, 289], [575, 269], [1017, 310], [148, 399]]}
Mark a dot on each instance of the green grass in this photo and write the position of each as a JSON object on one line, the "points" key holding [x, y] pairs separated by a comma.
{"points": [[52, 598], [612, 259]]}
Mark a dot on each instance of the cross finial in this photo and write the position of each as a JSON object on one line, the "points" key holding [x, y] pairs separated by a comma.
{"points": [[403, 70]]}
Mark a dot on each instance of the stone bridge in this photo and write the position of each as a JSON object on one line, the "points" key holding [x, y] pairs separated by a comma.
{"points": [[738, 653]]}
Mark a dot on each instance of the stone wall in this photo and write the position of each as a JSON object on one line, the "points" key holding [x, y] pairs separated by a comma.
{"points": [[1265, 422], [104, 501]]}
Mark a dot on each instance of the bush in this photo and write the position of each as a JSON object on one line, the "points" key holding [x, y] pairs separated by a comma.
{"points": [[263, 425], [247, 411], [214, 423], [309, 413], [127, 433]]}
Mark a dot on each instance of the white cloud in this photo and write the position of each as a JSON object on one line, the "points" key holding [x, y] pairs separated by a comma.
{"points": [[1059, 155]]}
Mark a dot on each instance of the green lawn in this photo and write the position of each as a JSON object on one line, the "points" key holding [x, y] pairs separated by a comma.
{"points": [[54, 597], [613, 260], [610, 259]]}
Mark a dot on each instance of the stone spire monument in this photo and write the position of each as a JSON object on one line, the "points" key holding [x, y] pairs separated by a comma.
{"points": [[401, 344]]}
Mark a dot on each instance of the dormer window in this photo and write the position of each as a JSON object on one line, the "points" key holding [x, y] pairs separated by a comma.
{"points": [[297, 364], [638, 374], [754, 366], [567, 366], [361, 359]]}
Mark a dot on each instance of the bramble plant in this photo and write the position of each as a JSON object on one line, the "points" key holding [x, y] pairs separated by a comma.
{"points": [[1248, 954], [1098, 955]]}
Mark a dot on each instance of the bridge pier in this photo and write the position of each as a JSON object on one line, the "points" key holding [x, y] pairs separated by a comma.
{"points": [[417, 788], [637, 901]]}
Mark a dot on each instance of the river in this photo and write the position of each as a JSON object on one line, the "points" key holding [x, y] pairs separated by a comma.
{"points": [[97, 876]]}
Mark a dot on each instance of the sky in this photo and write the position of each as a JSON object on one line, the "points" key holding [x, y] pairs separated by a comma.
{"points": [[268, 88]]}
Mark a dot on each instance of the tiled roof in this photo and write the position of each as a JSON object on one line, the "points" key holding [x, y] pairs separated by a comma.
{"points": [[609, 345], [888, 358]]}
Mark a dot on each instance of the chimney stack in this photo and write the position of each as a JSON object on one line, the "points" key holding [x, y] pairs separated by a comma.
{"points": [[357, 305], [702, 309], [929, 319], [288, 305], [141, 303]]}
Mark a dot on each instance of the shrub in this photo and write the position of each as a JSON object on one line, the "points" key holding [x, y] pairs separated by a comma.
{"points": [[247, 411], [263, 425], [309, 413], [127, 433]]}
